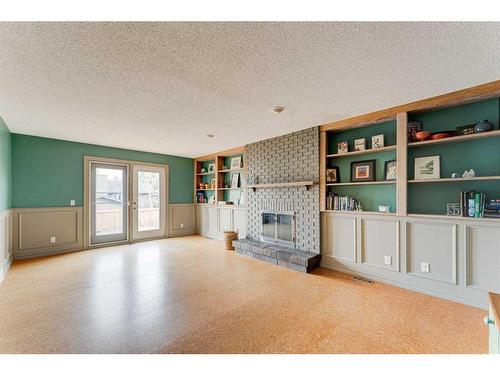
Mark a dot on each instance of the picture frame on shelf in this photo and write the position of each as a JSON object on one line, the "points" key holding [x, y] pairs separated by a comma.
{"points": [[343, 147], [212, 183], [378, 141], [333, 175], [427, 168], [360, 144], [236, 162], [390, 170], [363, 171], [211, 168], [235, 179]]}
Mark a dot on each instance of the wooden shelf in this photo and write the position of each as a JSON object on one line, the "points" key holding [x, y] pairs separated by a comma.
{"points": [[306, 184], [205, 189], [458, 138], [239, 188], [436, 180], [363, 183], [361, 212], [231, 170], [451, 217], [205, 174], [369, 151]]}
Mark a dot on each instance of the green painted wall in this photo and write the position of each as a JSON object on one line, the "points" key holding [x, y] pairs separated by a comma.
{"points": [[49, 172], [482, 155], [5, 166], [370, 196]]}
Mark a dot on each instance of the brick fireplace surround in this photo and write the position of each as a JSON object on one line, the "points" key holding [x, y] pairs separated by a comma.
{"points": [[289, 158]]}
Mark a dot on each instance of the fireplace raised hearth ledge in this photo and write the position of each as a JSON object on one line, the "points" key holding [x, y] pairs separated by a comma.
{"points": [[297, 260]]}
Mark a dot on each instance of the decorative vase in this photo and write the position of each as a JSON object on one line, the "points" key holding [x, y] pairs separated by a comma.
{"points": [[483, 126], [413, 128]]}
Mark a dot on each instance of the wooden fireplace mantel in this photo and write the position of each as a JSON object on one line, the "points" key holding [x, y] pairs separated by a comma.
{"points": [[306, 184]]}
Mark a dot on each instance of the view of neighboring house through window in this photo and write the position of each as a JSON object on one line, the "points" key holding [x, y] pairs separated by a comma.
{"points": [[109, 201], [148, 201]]}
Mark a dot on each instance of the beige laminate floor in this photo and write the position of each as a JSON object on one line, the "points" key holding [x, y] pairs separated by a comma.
{"points": [[189, 295]]}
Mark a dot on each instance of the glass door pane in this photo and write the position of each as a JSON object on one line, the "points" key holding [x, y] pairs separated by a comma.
{"points": [[148, 201], [149, 208], [109, 203]]}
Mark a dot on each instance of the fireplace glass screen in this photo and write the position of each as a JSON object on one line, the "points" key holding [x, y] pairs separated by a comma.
{"points": [[278, 227]]}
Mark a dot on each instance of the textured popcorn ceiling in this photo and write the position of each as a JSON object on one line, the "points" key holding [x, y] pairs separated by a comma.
{"points": [[162, 87]]}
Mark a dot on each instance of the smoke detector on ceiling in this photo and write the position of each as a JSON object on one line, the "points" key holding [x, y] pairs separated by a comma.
{"points": [[278, 109]]}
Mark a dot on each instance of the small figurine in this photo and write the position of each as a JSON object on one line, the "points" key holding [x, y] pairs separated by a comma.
{"points": [[455, 175], [469, 173]]}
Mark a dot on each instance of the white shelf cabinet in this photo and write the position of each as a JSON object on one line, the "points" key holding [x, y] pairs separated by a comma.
{"points": [[213, 220]]}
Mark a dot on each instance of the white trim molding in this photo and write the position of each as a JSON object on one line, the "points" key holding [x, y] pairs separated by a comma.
{"points": [[5, 242]]}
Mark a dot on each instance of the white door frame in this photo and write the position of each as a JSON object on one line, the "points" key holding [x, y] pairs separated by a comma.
{"points": [[162, 231], [87, 159]]}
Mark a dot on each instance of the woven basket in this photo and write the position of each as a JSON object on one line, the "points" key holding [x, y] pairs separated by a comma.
{"points": [[229, 237]]}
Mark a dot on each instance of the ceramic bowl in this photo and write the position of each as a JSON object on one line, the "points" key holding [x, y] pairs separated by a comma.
{"points": [[423, 135]]}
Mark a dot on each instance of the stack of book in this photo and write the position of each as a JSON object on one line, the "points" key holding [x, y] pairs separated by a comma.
{"points": [[345, 203], [472, 204], [492, 209]]}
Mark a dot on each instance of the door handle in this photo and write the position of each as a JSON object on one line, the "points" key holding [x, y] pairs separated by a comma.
{"points": [[488, 321]]}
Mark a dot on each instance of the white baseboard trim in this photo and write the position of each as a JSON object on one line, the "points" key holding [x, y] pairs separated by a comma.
{"points": [[430, 292]]}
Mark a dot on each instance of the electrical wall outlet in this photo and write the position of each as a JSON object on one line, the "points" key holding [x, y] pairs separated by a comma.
{"points": [[52, 239], [182, 225], [72, 202], [425, 267], [388, 260]]}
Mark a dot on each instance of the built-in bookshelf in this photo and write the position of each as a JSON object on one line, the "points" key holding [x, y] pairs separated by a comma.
{"points": [[408, 195], [225, 179], [370, 194]]}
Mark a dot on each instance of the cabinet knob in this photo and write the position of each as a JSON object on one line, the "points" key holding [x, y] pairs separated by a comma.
{"points": [[488, 321]]}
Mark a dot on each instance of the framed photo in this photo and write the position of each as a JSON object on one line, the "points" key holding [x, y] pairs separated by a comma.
{"points": [[343, 147], [235, 179], [360, 144], [427, 168], [332, 175], [390, 170], [378, 141], [362, 171], [212, 183], [236, 162], [211, 168]]}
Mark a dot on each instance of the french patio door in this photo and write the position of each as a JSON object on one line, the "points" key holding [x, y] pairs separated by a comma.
{"points": [[108, 203], [127, 201], [149, 201]]}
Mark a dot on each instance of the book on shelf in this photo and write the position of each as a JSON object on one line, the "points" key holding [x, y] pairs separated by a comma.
{"points": [[335, 202], [473, 204]]}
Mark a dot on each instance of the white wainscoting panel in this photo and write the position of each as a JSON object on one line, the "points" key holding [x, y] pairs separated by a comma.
{"points": [[339, 238], [434, 243], [181, 219], [482, 257], [380, 238], [34, 227]]}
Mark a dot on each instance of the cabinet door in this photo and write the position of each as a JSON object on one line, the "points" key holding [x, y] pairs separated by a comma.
{"points": [[202, 220], [213, 220], [225, 220], [240, 222]]}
